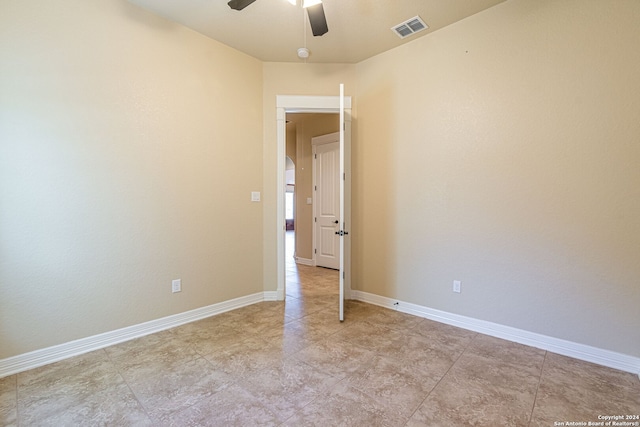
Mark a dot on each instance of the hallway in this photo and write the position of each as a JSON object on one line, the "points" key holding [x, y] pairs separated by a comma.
{"points": [[309, 289]]}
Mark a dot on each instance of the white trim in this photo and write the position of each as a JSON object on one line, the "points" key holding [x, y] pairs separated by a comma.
{"points": [[311, 104], [271, 296], [305, 261], [342, 197], [325, 139], [34, 359], [281, 228], [587, 353]]}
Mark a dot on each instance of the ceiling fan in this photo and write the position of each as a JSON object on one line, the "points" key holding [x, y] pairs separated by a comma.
{"points": [[314, 8]]}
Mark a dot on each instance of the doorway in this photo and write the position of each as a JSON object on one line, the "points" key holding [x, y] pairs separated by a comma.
{"points": [[310, 104], [289, 209]]}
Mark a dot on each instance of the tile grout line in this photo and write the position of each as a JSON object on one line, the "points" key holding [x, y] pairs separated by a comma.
{"points": [[535, 398], [235, 381], [239, 383], [309, 403], [17, 406], [133, 393], [441, 378]]}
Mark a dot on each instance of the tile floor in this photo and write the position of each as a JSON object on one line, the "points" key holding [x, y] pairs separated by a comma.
{"points": [[295, 364]]}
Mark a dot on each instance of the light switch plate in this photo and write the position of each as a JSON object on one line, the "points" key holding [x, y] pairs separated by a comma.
{"points": [[255, 196], [456, 286]]}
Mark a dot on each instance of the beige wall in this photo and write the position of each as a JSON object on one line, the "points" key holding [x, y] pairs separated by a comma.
{"points": [[119, 132], [290, 79], [307, 127], [503, 151]]}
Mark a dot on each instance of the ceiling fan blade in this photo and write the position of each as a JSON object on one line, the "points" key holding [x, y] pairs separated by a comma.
{"points": [[239, 4], [317, 19]]}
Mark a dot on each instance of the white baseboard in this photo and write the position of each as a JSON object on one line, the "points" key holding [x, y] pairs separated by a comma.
{"points": [[34, 359], [305, 261], [587, 353], [271, 296]]}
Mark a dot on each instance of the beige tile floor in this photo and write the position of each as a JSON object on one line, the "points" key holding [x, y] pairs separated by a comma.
{"points": [[295, 364]]}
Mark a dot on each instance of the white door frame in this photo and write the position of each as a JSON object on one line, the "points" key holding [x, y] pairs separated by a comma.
{"points": [[308, 104]]}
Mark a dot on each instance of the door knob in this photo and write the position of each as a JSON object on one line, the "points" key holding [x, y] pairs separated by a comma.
{"points": [[336, 222]]}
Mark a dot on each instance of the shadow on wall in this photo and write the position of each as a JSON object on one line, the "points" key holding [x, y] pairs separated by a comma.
{"points": [[142, 16], [374, 264]]}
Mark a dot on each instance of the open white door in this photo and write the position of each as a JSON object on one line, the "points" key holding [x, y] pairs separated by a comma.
{"points": [[342, 232]]}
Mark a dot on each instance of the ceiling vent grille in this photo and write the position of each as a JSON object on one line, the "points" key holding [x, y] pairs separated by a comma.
{"points": [[409, 27]]}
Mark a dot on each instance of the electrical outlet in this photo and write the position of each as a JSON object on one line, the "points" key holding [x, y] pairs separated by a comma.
{"points": [[456, 286], [176, 285]]}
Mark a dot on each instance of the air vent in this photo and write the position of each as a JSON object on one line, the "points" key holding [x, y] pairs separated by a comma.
{"points": [[409, 27]]}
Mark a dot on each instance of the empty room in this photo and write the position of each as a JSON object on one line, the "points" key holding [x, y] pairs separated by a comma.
{"points": [[485, 197]]}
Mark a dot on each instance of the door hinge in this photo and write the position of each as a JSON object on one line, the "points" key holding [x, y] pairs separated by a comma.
{"points": [[315, 156], [315, 251], [344, 176], [315, 219], [343, 275], [315, 188]]}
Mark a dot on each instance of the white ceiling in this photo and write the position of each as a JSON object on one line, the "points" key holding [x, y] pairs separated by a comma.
{"points": [[273, 30]]}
